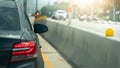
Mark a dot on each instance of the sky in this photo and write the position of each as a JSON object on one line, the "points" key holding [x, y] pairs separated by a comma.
{"points": [[42, 3], [32, 4], [80, 3], [52, 1]]}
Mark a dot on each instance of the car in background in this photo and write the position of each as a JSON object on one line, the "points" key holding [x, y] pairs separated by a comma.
{"points": [[19, 45], [88, 18], [93, 18], [59, 15], [83, 18]]}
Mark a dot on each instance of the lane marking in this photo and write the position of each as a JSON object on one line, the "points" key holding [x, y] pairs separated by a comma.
{"points": [[46, 60]]}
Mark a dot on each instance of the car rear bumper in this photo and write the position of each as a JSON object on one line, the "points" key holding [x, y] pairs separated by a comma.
{"points": [[33, 63]]}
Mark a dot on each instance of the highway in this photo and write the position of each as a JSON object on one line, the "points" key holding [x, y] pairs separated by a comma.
{"points": [[53, 59], [97, 26]]}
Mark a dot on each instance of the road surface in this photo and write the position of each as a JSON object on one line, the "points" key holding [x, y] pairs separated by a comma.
{"points": [[99, 26]]}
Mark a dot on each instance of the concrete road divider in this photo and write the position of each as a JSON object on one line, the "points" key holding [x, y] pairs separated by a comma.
{"points": [[84, 48]]}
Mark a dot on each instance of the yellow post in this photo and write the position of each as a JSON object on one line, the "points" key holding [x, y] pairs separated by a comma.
{"points": [[109, 32]]}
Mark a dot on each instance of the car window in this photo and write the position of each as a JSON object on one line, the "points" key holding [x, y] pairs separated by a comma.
{"points": [[9, 19]]}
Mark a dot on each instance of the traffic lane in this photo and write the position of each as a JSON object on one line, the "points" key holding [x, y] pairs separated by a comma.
{"points": [[98, 27], [51, 57], [48, 63], [94, 25]]}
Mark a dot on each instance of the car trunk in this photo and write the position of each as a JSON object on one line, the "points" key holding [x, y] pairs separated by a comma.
{"points": [[6, 43]]}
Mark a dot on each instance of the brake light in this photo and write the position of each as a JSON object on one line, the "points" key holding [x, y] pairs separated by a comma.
{"points": [[24, 51]]}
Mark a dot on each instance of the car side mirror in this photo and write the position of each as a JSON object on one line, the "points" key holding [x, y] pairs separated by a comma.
{"points": [[40, 28]]}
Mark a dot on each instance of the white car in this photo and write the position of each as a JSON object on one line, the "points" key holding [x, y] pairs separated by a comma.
{"points": [[60, 14], [83, 17]]}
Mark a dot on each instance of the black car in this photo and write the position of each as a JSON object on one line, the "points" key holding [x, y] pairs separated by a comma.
{"points": [[19, 45]]}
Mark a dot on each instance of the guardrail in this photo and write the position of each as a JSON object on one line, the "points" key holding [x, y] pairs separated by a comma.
{"points": [[84, 48]]}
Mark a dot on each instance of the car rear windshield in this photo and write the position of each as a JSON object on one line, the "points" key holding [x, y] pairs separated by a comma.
{"points": [[9, 19]]}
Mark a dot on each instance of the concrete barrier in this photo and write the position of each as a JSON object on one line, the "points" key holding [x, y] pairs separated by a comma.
{"points": [[84, 48]]}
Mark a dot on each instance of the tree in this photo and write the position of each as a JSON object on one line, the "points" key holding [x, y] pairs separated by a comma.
{"points": [[64, 6], [49, 9]]}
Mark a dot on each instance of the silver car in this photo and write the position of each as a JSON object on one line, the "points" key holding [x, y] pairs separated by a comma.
{"points": [[59, 15]]}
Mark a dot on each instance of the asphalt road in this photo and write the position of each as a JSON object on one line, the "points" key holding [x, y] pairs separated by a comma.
{"points": [[97, 26]]}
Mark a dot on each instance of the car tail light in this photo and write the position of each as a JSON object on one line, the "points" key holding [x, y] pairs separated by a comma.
{"points": [[24, 51]]}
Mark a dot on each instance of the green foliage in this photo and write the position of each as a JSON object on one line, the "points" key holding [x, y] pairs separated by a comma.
{"points": [[46, 11], [49, 9]]}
